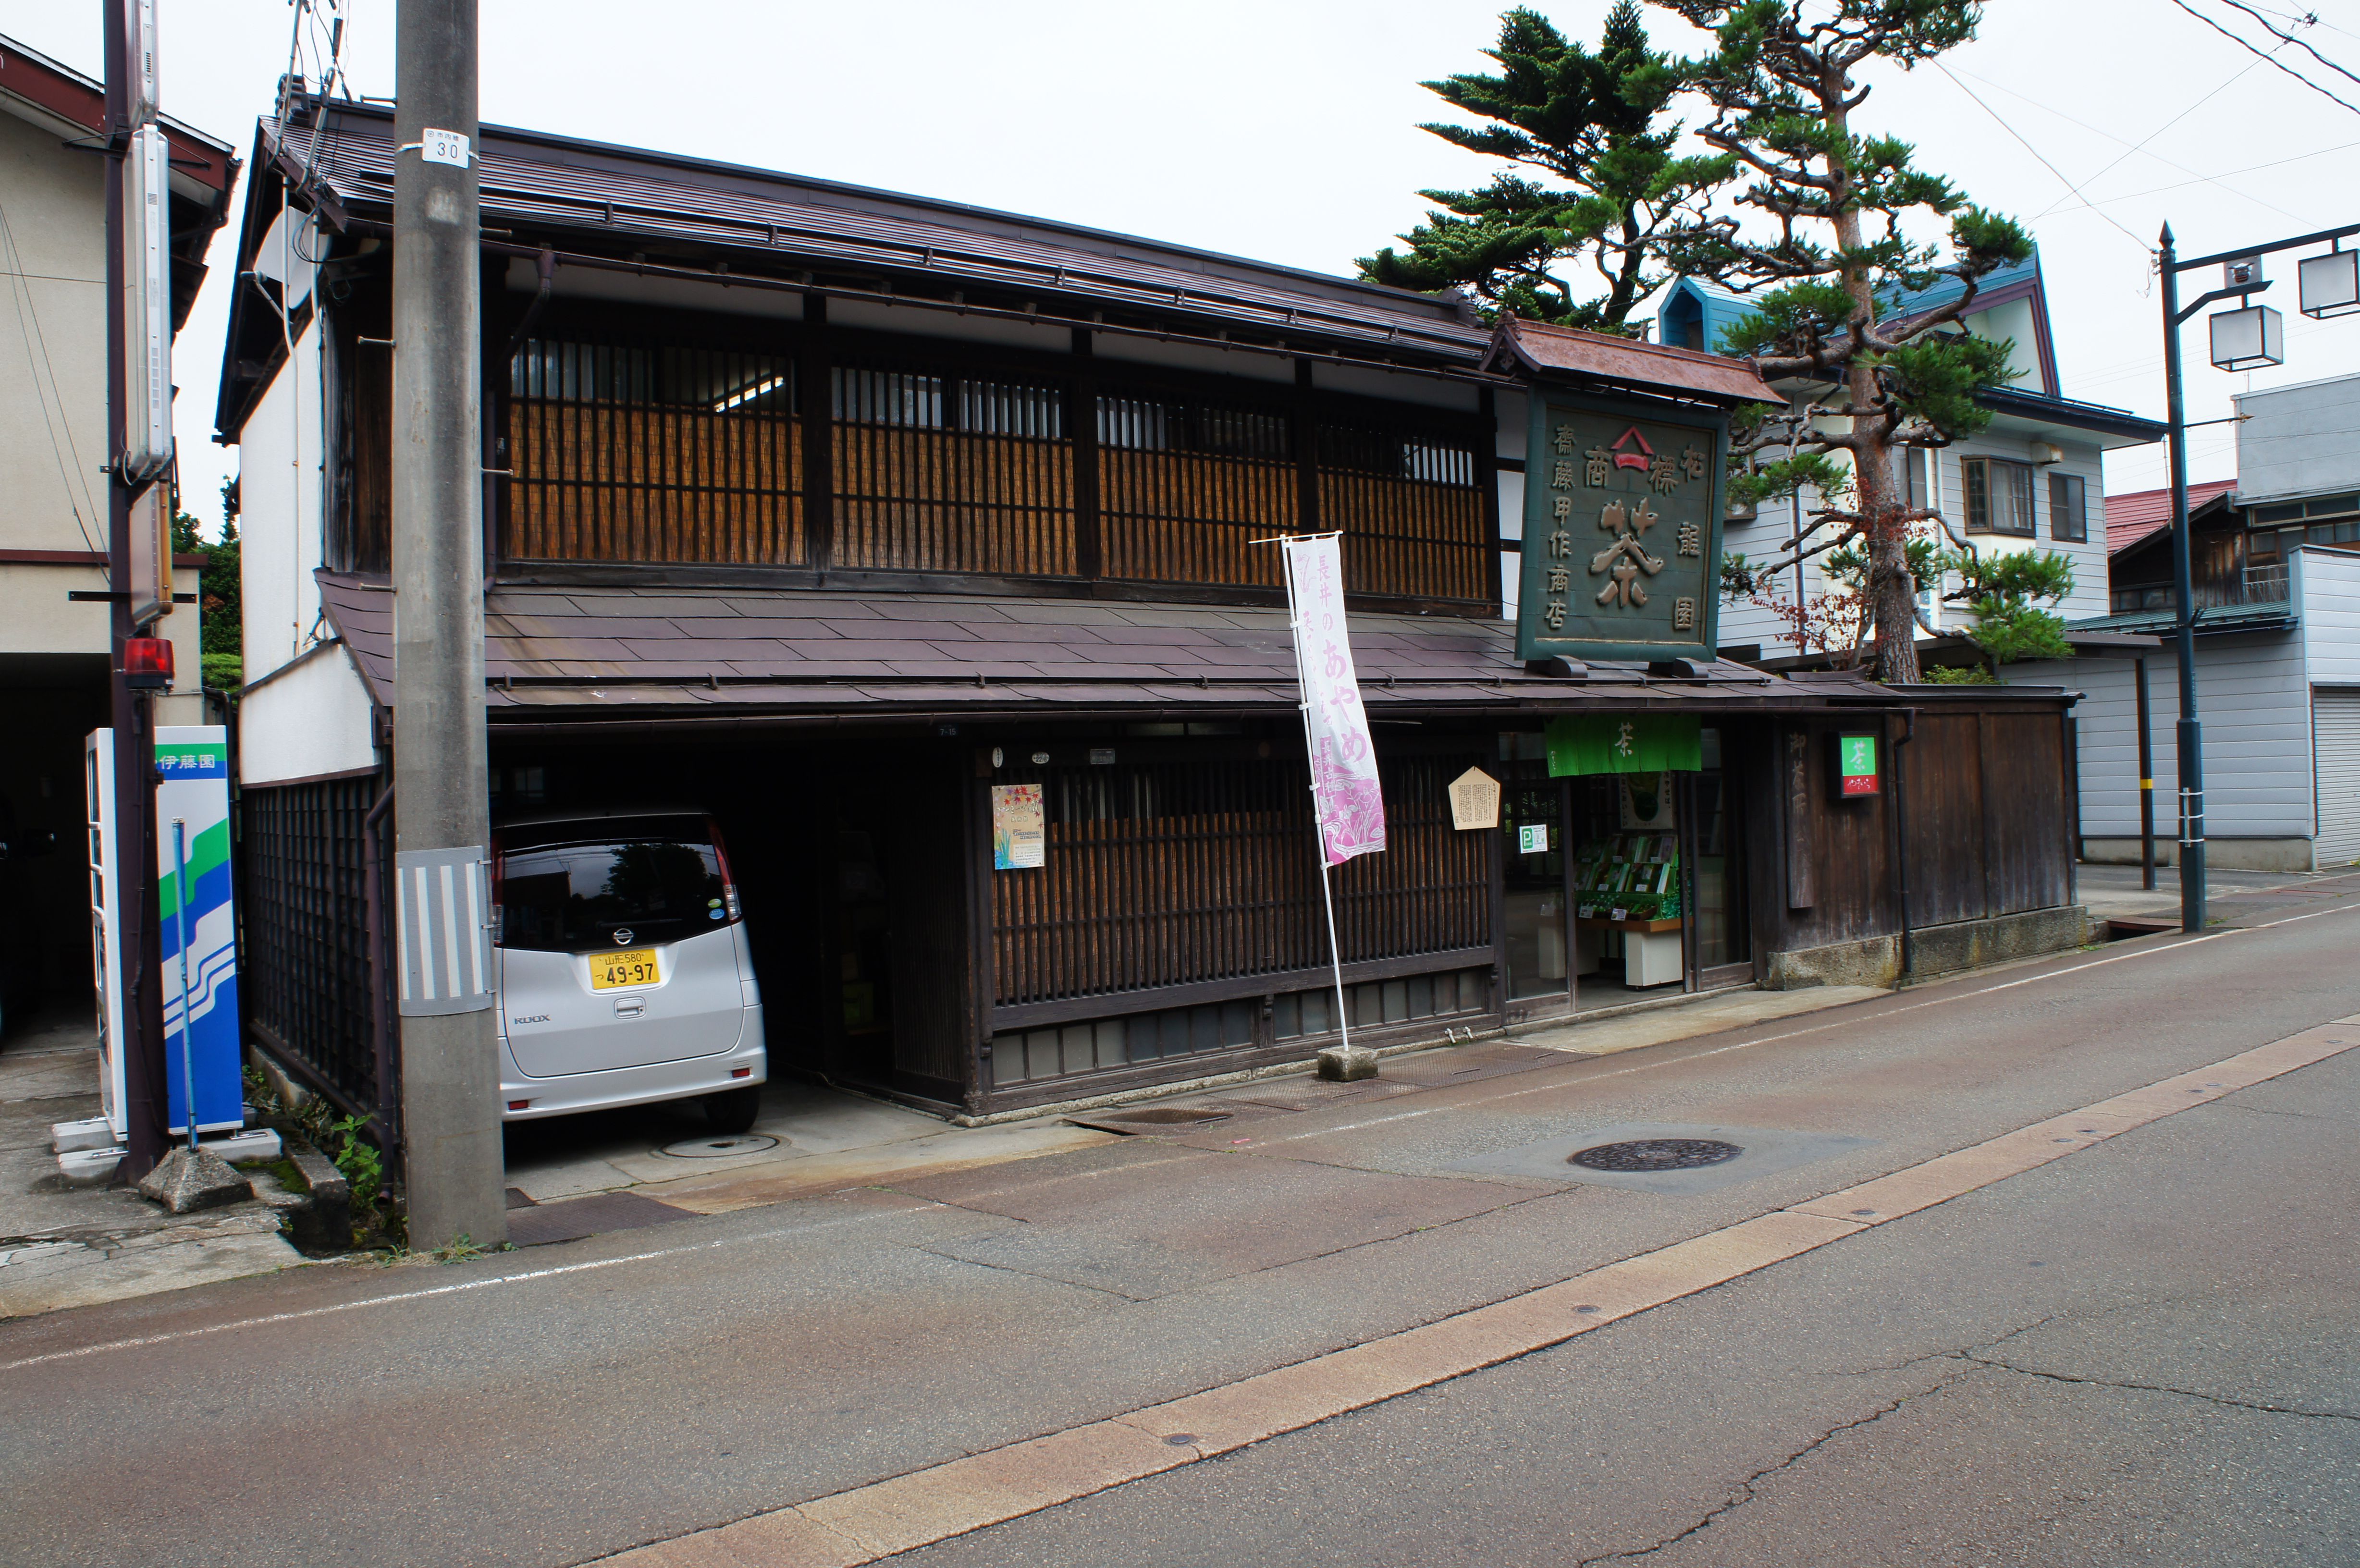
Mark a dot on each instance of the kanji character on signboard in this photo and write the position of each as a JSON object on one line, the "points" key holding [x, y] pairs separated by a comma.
{"points": [[1691, 540], [1683, 615]]}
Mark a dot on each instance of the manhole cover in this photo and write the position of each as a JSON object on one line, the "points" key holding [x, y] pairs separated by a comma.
{"points": [[1655, 1154], [716, 1148]]}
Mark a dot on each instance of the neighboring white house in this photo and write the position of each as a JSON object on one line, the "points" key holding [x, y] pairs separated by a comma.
{"points": [[2030, 480], [53, 450], [2277, 576]]}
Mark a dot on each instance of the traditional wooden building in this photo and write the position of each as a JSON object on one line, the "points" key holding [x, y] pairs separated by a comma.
{"points": [[832, 510]]}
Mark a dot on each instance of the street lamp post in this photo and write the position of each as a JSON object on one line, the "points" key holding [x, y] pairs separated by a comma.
{"points": [[2242, 339]]}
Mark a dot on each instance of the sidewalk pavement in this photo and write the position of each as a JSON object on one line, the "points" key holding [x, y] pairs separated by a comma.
{"points": [[69, 1247]]}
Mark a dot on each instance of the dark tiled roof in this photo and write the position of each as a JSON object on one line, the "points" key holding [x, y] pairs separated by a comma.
{"points": [[540, 183], [559, 652]]}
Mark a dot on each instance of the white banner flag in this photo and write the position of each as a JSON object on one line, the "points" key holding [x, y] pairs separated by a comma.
{"points": [[1345, 792]]}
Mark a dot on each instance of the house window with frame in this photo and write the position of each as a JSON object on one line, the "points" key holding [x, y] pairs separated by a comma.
{"points": [[1909, 477], [2069, 518], [1999, 495]]}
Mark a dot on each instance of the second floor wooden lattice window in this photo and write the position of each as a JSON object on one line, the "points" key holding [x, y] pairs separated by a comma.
{"points": [[1187, 486], [639, 453], [950, 473], [855, 454], [1413, 518]]}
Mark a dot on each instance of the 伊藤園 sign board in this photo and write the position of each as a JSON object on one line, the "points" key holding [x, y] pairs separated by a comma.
{"points": [[1622, 546]]}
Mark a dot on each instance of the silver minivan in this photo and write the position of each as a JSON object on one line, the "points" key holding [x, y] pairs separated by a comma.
{"points": [[624, 974]]}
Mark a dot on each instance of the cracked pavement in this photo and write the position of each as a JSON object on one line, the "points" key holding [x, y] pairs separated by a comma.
{"points": [[2141, 1352]]}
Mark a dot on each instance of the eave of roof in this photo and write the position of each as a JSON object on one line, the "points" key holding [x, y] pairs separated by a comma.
{"points": [[593, 654], [1554, 352], [609, 194], [2074, 415], [2210, 620]]}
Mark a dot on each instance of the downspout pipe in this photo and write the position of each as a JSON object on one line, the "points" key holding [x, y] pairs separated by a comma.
{"points": [[547, 263], [1901, 825]]}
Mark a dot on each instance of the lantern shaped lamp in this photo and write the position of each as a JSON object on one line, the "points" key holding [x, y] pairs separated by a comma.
{"points": [[2248, 339], [2330, 284]]}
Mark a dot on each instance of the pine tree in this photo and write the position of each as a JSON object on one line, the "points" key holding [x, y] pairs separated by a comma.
{"points": [[1595, 181], [1827, 267]]}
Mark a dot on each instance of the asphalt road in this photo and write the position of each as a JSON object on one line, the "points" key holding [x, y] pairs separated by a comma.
{"points": [[2142, 1353]]}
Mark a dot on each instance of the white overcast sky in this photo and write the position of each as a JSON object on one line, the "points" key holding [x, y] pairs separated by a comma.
{"points": [[1284, 130]]}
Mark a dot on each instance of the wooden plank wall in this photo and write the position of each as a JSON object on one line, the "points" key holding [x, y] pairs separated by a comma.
{"points": [[1167, 874], [1989, 824]]}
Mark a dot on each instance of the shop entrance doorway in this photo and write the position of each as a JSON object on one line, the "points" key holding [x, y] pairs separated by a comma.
{"points": [[1619, 887]]}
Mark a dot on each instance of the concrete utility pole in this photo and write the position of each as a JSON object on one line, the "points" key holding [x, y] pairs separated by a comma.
{"points": [[132, 712], [450, 1064]]}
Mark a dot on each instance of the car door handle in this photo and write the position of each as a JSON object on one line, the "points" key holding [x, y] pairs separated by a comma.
{"points": [[630, 1006]]}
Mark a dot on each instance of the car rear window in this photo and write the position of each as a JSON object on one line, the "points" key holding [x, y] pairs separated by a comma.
{"points": [[575, 886]]}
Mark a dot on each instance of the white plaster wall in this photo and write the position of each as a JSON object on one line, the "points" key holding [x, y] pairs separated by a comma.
{"points": [[280, 512], [2013, 322], [1039, 337], [311, 720], [1191, 356], [2256, 706], [1400, 387], [680, 293], [52, 345], [2298, 441]]}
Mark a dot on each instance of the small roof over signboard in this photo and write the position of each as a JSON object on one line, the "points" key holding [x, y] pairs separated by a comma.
{"points": [[1624, 365]]}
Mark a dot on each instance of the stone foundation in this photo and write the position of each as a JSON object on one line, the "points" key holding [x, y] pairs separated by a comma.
{"points": [[1934, 949]]}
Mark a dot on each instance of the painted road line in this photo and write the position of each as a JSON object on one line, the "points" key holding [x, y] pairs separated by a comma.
{"points": [[883, 1519]]}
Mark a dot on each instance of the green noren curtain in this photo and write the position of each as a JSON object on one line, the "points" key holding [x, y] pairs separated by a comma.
{"points": [[1624, 743]]}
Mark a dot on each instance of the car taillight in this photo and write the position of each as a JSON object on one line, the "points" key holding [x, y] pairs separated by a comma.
{"points": [[518, 1105], [728, 882]]}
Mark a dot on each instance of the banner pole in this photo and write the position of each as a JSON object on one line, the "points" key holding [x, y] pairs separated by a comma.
{"points": [[1318, 835]]}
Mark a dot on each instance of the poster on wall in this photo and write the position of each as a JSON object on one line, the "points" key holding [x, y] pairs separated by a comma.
{"points": [[1622, 546], [1020, 838]]}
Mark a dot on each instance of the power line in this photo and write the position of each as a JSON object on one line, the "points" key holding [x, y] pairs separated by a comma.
{"points": [[2035, 152], [2242, 44], [2141, 145], [2290, 38], [2199, 177]]}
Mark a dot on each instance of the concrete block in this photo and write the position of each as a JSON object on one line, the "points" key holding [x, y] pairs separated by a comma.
{"points": [[1348, 1063], [184, 1182], [89, 1167], [254, 1143], [65, 1137]]}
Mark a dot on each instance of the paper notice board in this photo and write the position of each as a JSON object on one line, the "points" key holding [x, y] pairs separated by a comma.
{"points": [[1020, 840]]}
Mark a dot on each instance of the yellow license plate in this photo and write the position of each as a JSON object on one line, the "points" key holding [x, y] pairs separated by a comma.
{"points": [[626, 966]]}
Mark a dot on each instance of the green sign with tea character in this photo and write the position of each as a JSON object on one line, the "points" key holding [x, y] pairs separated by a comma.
{"points": [[1622, 546]]}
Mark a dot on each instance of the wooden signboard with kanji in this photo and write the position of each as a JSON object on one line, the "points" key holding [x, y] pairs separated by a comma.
{"points": [[1622, 547]]}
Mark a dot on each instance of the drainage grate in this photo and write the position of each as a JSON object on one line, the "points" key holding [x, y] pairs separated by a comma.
{"points": [[1654, 1154], [1153, 1119]]}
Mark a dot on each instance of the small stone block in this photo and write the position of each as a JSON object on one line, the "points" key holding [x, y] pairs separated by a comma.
{"points": [[67, 1137], [89, 1167], [184, 1182], [1348, 1063]]}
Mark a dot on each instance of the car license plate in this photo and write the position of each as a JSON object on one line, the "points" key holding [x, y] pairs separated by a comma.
{"points": [[627, 966]]}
